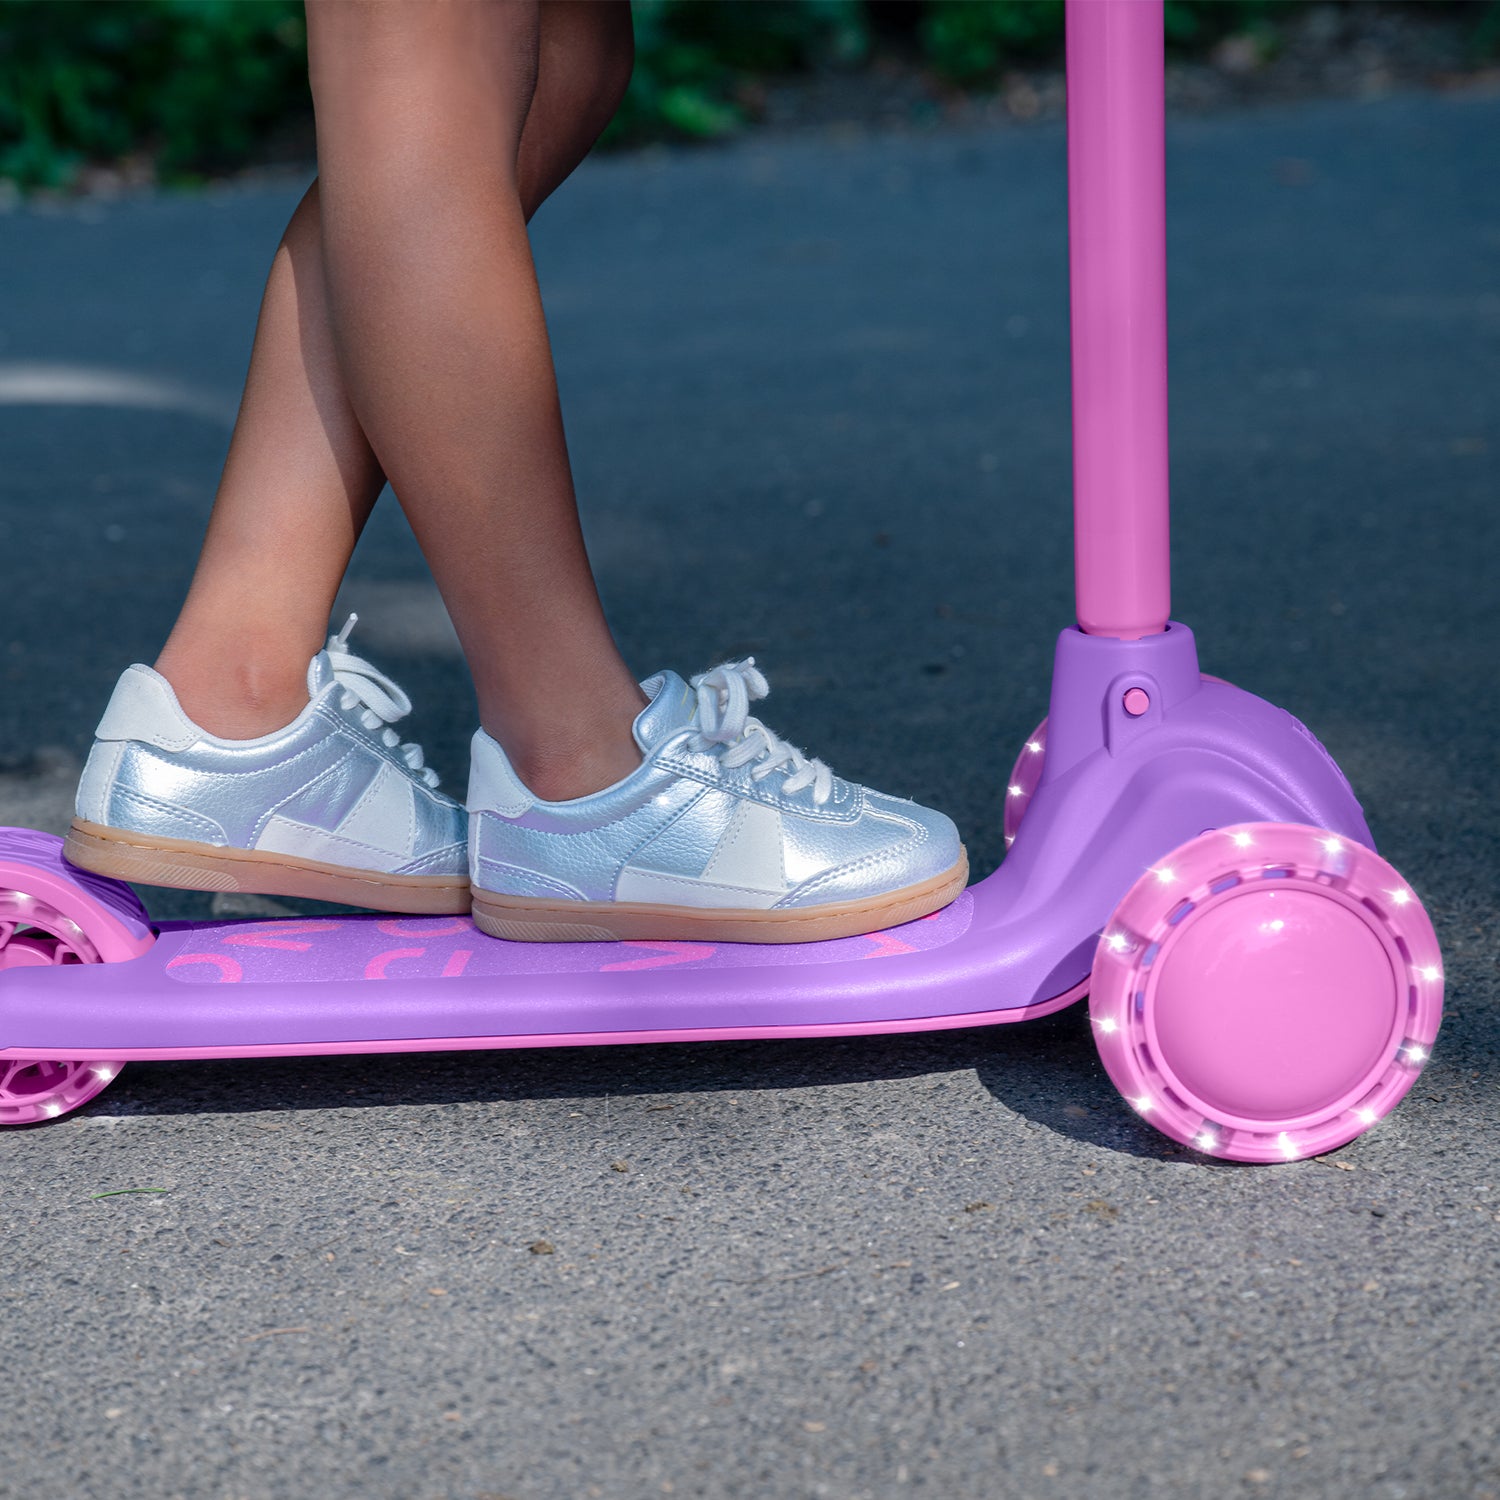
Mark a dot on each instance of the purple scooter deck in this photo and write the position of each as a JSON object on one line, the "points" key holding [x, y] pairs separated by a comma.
{"points": [[366, 983], [1119, 789]]}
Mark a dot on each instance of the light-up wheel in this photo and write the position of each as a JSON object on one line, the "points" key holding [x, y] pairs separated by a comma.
{"points": [[1021, 784], [1267, 992], [53, 915], [31, 1090]]}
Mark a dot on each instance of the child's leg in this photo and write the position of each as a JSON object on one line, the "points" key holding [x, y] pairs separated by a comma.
{"points": [[301, 478], [443, 346], [297, 489]]}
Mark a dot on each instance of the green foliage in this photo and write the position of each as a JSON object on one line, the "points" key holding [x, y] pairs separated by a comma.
{"points": [[679, 86], [759, 36], [1193, 25], [1484, 41], [198, 86], [195, 83], [693, 60], [970, 41]]}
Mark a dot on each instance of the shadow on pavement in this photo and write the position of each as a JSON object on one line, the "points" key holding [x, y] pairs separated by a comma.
{"points": [[1044, 1071]]}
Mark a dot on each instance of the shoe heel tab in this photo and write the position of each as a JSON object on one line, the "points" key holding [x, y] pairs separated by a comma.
{"points": [[143, 707], [493, 786]]}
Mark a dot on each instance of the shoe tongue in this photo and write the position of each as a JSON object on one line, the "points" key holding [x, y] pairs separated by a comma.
{"points": [[673, 706], [319, 674]]}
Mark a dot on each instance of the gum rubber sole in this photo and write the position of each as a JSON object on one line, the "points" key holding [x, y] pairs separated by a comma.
{"points": [[524, 919], [207, 867]]}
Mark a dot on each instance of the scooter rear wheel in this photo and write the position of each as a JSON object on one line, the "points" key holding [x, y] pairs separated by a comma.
{"points": [[1026, 774], [52, 914], [1267, 992], [1023, 779]]}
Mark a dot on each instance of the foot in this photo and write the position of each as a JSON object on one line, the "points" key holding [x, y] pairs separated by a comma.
{"points": [[332, 807], [725, 833]]}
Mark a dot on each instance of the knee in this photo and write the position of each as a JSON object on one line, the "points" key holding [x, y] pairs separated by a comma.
{"points": [[385, 58]]}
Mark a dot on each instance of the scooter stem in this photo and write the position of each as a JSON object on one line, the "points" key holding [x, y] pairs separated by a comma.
{"points": [[1118, 264]]}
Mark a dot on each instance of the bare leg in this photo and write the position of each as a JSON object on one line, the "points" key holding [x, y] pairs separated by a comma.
{"points": [[301, 478], [441, 339], [297, 489]]}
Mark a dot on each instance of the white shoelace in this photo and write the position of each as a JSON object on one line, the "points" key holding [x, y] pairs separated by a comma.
{"points": [[724, 698], [382, 702]]}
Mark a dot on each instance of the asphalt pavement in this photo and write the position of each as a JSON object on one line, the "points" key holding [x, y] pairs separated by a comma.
{"points": [[817, 395]]}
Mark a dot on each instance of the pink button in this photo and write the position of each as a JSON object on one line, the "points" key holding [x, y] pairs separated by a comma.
{"points": [[1136, 702]]}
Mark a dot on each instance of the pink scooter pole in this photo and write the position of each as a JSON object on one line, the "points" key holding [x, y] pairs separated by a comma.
{"points": [[1118, 264]]}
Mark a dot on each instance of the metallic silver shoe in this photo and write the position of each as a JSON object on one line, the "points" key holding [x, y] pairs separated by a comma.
{"points": [[333, 807], [725, 834]]}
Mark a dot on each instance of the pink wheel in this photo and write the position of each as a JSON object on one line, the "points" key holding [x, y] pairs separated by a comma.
{"points": [[51, 913], [1023, 779], [32, 1091], [1021, 784], [1267, 992]]}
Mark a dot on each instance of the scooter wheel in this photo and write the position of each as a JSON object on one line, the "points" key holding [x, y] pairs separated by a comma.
{"points": [[52, 914], [1026, 774], [1267, 992], [32, 1090], [1022, 781]]}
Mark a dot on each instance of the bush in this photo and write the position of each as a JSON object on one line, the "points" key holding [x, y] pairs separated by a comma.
{"points": [[969, 41], [693, 59], [194, 84], [192, 87]]}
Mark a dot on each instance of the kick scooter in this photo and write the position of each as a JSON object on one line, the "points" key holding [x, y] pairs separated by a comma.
{"points": [[1262, 985]]}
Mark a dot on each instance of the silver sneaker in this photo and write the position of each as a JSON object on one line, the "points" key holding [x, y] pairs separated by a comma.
{"points": [[725, 834], [333, 807]]}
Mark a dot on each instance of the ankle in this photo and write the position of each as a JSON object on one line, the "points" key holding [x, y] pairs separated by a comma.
{"points": [[561, 778], [236, 699], [564, 750], [560, 762]]}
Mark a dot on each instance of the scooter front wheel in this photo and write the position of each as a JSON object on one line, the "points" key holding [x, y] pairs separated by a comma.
{"points": [[1267, 992], [52, 914]]}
